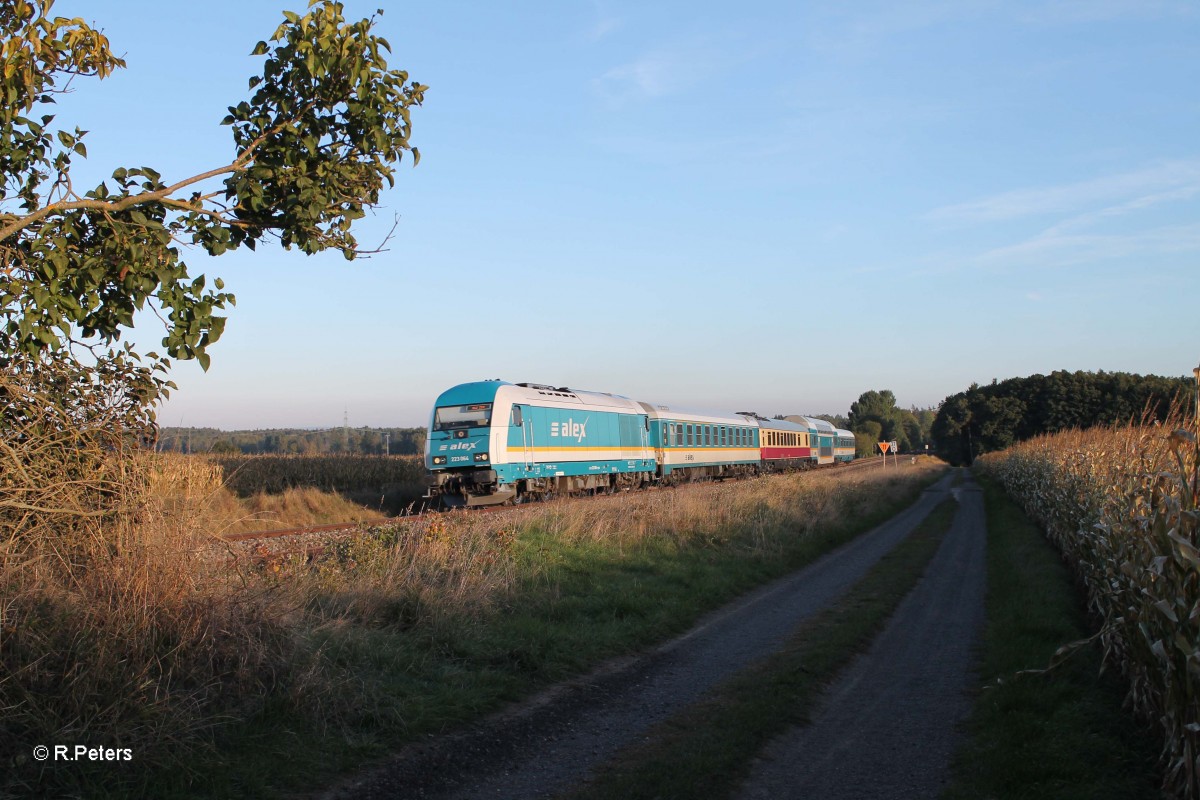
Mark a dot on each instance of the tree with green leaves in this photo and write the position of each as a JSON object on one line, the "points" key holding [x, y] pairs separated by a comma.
{"points": [[312, 146], [879, 407], [992, 417]]}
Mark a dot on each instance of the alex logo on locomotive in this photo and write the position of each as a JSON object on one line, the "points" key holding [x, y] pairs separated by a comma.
{"points": [[570, 429], [459, 446]]}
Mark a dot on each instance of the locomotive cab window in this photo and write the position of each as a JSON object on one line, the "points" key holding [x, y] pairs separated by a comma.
{"points": [[448, 418]]}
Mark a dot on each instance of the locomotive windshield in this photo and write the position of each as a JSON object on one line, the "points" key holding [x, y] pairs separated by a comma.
{"points": [[449, 418]]}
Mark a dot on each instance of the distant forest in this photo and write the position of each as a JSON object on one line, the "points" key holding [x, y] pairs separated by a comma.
{"points": [[342, 441], [987, 418], [976, 421]]}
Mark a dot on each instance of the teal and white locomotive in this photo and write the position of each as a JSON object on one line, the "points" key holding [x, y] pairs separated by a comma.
{"points": [[495, 442]]}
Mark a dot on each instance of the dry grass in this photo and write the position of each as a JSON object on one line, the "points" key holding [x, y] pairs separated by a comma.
{"points": [[137, 626], [191, 490], [753, 511], [120, 628], [1122, 505]]}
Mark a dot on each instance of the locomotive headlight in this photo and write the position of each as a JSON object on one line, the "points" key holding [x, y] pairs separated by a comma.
{"points": [[439, 460], [481, 456]]}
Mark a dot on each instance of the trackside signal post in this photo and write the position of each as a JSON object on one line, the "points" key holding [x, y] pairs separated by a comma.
{"points": [[893, 447]]}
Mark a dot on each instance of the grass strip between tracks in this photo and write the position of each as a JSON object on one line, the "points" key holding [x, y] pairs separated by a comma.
{"points": [[706, 750], [1059, 733]]}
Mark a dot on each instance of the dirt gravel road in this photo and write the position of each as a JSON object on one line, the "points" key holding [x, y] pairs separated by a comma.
{"points": [[547, 745], [888, 727]]}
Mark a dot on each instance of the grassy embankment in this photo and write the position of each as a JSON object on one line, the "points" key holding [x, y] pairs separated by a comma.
{"points": [[1058, 734], [230, 679]]}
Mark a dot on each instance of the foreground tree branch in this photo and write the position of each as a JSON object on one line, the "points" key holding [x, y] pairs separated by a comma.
{"points": [[313, 147]]}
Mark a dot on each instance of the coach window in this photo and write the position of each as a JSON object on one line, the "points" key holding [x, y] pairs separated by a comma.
{"points": [[679, 434]]}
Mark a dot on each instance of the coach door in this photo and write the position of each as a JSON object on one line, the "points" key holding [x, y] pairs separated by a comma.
{"points": [[523, 420]]}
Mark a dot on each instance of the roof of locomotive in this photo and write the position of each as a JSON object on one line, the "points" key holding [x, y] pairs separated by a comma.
{"points": [[537, 394]]}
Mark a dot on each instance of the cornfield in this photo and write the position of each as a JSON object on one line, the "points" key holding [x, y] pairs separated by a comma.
{"points": [[1121, 505], [247, 475]]}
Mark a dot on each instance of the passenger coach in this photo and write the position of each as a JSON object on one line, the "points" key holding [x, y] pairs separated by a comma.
{"points": [[695, 444], [787, 443]]}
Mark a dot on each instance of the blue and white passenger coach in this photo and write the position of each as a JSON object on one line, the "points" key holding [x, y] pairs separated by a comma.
{"points": [[494, 442], [691, 445]]}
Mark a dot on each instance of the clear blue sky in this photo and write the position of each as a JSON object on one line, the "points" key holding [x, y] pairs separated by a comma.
{"points": [[769, 206]]}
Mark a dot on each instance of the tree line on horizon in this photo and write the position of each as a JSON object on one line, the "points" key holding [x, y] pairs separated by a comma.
{"points": [[979, 420], [294, 441], [983, 419]]}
